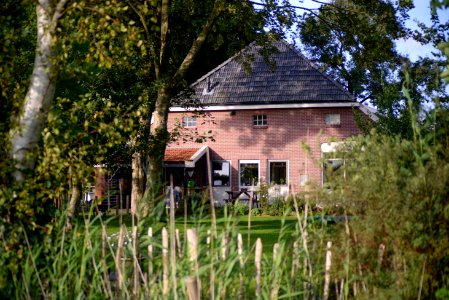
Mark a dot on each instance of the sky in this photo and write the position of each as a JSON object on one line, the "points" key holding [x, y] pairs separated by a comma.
{"points": [[421, 12], [409, 47]]}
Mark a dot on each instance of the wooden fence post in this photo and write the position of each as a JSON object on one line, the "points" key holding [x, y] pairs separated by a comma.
{"points": [[295, 264], [165, 262], [192, 288], [250, 203], [208, 243], [136, 279], [127, 204], [178, 244], [118, 257], [193, 282], [212, 270], [104, 238], [120, 198], [224, 245], [327, 270], [150, 257], [173, 239], [258, 261], [275, 284], [240, 254]]}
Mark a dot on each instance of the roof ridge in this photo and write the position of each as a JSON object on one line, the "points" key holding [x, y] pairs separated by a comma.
{"points": [[317, 68]]}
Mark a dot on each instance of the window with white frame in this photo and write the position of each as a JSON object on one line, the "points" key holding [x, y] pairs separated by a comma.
{"points": [[278, 172], [221, 173], [332, 119], [189, 122], [260, 120], [249, 172]]}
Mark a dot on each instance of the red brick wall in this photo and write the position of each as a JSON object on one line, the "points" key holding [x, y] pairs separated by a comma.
{"points": [[236, 138]]}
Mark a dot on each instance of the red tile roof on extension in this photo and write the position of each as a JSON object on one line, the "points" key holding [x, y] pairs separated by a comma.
{"points": [[180, 154]]}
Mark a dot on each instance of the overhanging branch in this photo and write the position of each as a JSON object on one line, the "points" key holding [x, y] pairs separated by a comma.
{"points": [[200, 40]]}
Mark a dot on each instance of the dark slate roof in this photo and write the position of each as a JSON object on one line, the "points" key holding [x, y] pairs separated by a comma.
{"points": [[294, 80]]}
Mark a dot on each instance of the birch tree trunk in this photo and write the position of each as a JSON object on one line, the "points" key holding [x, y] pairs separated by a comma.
{"points": [[26, 136]]}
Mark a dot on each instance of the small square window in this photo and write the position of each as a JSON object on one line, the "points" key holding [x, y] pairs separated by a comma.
{"points": [[332, 119], [260, 120], [188, 122]]}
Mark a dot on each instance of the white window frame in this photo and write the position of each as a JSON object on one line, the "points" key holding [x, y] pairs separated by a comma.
{"points": [[287, 175], [333, 119], [189, 121], [260, 120], [249, 161], [230, 173]]}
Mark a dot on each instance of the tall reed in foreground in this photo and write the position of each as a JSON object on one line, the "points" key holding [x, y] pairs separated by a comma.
{"points": [[83, 262], [389, 240]]}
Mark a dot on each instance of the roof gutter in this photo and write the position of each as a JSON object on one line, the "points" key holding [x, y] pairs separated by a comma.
{"points": [[265, 106]]}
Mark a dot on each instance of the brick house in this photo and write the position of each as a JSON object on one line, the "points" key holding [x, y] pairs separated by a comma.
{"points": [[257, 123]]}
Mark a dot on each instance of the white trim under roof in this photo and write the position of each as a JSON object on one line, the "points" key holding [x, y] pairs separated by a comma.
{"points": [[265, 106], [370, 112], [195, 157]]}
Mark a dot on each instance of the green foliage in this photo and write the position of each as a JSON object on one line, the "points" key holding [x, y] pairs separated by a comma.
{"points": [[399, 191], [354, 42], [263, 196], [256, 211], [239, 208], [78, 262], [277, 207]]}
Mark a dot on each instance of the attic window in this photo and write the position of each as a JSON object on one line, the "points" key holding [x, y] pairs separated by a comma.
{"points": [[260, 120], [332, 119], [189, 122], [209, 89]]}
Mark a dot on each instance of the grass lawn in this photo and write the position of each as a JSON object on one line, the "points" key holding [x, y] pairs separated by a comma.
{"points": [[268, 228]]}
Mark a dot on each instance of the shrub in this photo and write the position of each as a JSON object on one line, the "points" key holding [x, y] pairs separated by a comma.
{"points": [[263, 196], [399, 191], [239, 208], [256, 211], [277, 207]]}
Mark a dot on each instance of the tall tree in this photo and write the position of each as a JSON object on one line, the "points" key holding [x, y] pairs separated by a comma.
{"points": [[216, 17], [41, 88], [171, 35], [354, 42]]}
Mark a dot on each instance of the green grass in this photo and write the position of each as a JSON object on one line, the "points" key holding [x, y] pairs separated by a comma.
{"points": [[268, 228]]}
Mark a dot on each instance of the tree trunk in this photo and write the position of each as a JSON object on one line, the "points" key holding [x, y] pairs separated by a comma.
{"points": [[138, 181], [166, 91], [40, 92], [74, 199], [158, 144]]}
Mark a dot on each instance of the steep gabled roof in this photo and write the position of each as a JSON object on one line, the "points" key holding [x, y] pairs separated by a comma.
{"points": [[294, 80]]}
